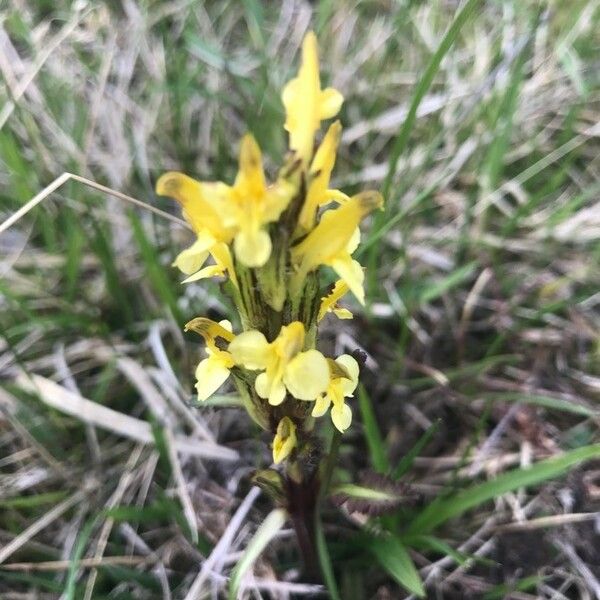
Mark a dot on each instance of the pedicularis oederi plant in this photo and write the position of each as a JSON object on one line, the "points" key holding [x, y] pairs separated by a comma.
{"points": [[273, 243]]}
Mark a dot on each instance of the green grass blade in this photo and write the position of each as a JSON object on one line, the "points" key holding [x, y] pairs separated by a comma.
{"points": [[438, 288], [393, 556], [424, 84], [264, 534], [325, 561], [373, 436], [544, 401], [401, 141], [407, 460], [443, 509]]}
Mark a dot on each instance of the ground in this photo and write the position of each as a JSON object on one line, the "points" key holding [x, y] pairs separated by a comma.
{"points": [[481, 326]]}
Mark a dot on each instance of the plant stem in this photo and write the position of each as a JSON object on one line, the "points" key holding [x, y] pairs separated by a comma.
{"points": [[302, 504]]}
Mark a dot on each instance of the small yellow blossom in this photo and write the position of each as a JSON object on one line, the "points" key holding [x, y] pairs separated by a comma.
{"points": [[306, 105], [333, 240], [284, 364], [329, 303], [285, 440], [344, 379], [213, 371], [252, 205], [212, 236]]}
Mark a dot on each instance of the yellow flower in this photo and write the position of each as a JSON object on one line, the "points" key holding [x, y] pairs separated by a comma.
{"points": [[285, 365], [285, 440], [344, 379], [197, 204], [318, 192], [222, 213], [332, 242], [213, 371], [252, 205], [212, 236], [329, 303], [306, 105]]}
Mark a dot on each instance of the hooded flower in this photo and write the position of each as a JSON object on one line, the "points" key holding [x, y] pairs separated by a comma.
{"points": [[284, 364], [343, 381], [200, 211], [306, 104], [213, 371], [222, 213], [333, 241], [252, 205]]}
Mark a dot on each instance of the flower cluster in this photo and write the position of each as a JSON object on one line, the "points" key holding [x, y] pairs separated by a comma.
{"points": [[269, 242]]}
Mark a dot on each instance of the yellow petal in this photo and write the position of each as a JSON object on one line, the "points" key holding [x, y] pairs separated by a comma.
{"points": [[349, 363], [205, 273], [330, 102], [290, 340], [341, 415], [273, 391], [252, 248], [352, 274], [277, 199], [335, 196], [285, 440], [342, 313], [307, 375], [211, 374], [334, 232], [320, 168], [208, 329], [251, 178], [222, 256], [210, 271], [321, 405], [353, 242], [191, 259], [305, 103], [250, 349], [329, 302], [196, 209], [226, 324]]}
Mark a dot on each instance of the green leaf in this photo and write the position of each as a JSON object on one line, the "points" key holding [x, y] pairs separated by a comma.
{"points": [[505, 590], [545, 401], [376, 495], [393, 556], [362, 492], [442, 509], [373, 435], [264, 534], [407, 460]]}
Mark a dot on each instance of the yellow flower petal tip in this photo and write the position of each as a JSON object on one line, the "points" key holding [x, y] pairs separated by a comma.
{"points": [[306, 104], [209, 329], [285, 440], [169, 184]]}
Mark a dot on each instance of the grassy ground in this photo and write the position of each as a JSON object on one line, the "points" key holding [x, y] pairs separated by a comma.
{"points": [[482, 327]]}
